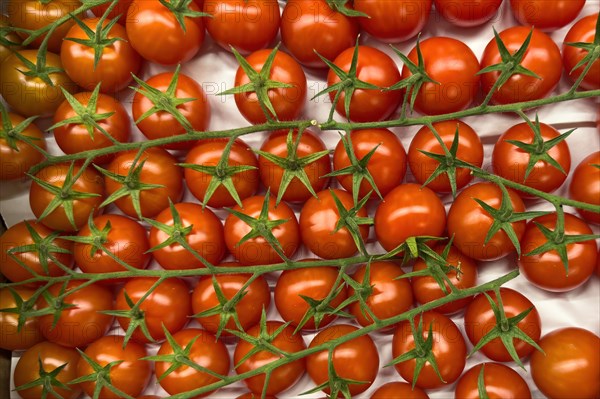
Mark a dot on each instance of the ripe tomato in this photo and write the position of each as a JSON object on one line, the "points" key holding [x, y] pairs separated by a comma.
{"points": [[206, 351], [409, 210], [470, 149], [468, 13], [426, 289], [209, 153], [130, 376], [469, 223], [113, 70], [374, 67], [542, 57], [582, 32], [75, 137], [17, 156], [449, 350], [329, 32], [387, 165], [356, 359], [83, 323], [256, 23], [480, 319], [11, 338], [272, 174], [282, 377], [311, 282], [569, 365], [391, 21], [90, 182], [318, 220], [399, 390], [155, 33], [288, 103], [162, 124], [585, 185], [257, 251], [159, 168], [453, 67], [120, 10], [500, 382], [10, 41], [547, 270], [390, 295], [544, 15], [18, 236], [205, 237]]}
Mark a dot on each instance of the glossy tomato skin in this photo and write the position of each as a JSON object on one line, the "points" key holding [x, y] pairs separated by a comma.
{"points": [[329, 32], [318, 219], [449, 350], [163, 124], [453, 67], [120, 10], [468, 13], [399, 390], [73, 138], [391, 295], [208, 153], [500, 382], [90, 181], [480, 319], [312, 282], [257, 251], [130, 376], [542, 57], [409, 210], [393, 22], [282, 377], [11, 338], [205, 237], [544, 15], [271, 174], [470, 149], [469, 223], [387, 165], [117, 62], [426, 289], [582, 31], [14, 163], [546, 270], [256, 23], [570, 366], [510, 162], [585, 185], [288, 102], [356, 359], [156, 35], [374, 67], [159, 168], [18, 236]]}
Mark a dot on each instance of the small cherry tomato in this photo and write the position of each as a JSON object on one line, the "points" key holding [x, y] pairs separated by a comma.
{"points": [[468, 13], [11, 337], [585, 185], [582, 31], [399, 390], [544, 15], [16, 155], [499, 382]]}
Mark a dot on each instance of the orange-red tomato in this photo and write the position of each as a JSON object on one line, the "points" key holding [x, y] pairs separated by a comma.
{"points": [[585, 185], [499, 382], [468, 13], [399, 390], [546, 15], [582, 31], [11, 337], [17, 156]]}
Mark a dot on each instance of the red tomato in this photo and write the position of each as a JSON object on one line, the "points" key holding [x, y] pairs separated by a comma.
{"points": [[409, 210], [542, 57], [449, 350], [469, 223], [399, 390], [282, 377], [256, 23], [130, 376], [16, 156], [480, 319], [391, 21], [546, 15], [582, 32], [470, 149], [585, 185], [11, 338], [374, 67], [453, 67], [356, 359], [387, 165], [468, 13], [500, 382], [547, 270], [120, 10], [570, 364], [205, 237], [329, 32], [288, 103]]}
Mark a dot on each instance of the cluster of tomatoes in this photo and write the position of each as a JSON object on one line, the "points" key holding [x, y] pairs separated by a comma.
{"points": [[120, 211]]}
